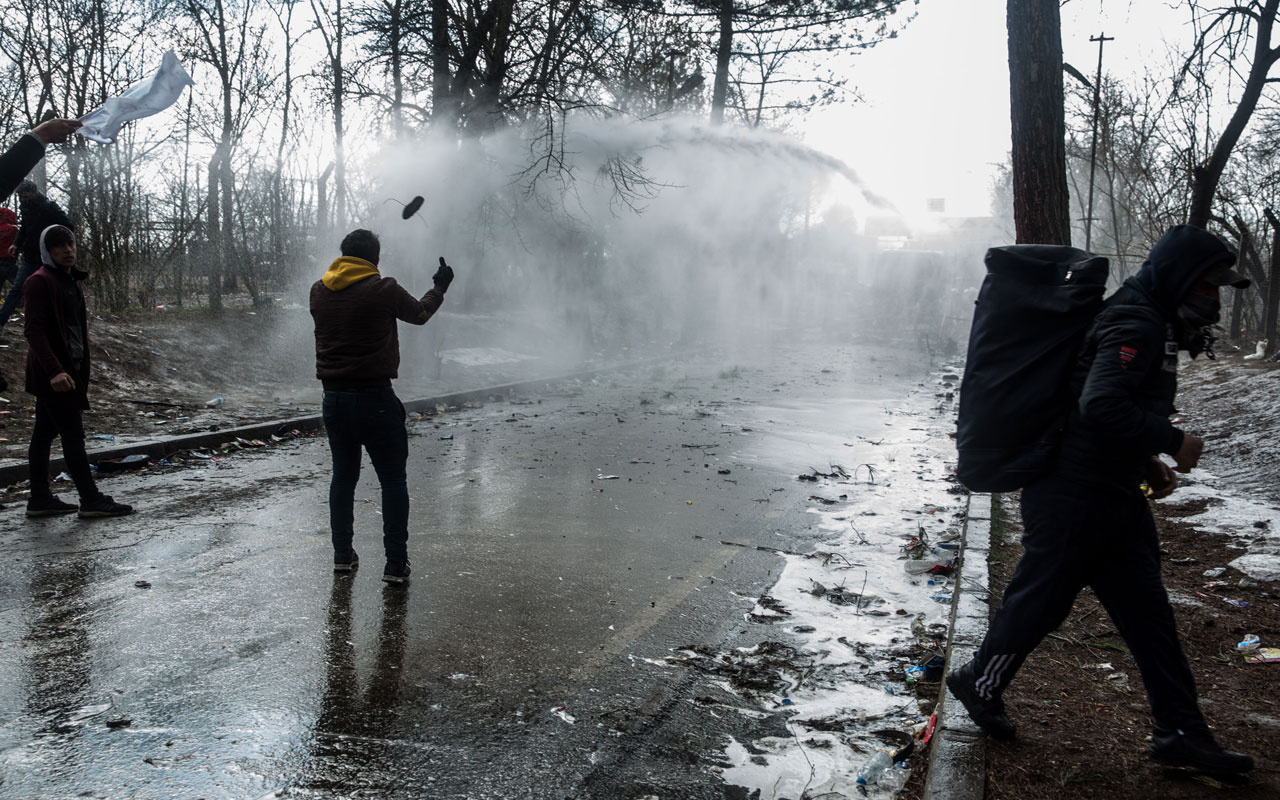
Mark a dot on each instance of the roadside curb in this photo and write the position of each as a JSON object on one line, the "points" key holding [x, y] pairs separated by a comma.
{"points": [[16, 471], [957, 761]]}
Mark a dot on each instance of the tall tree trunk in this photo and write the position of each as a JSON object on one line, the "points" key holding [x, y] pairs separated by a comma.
{"points": [[444, 108], [724, 50], [339, 145], [213, 231], [1273, 285], [1041, 210]]}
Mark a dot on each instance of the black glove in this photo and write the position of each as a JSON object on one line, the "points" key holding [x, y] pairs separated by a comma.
{"points": [[443, 277]]}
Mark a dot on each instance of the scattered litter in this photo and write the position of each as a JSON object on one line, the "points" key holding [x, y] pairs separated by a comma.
{"points": [[1234, 602], [214, 403], [106, 437], [940, 597], [560, 712], [458, 676], [1249, 643], [1215, 572], [446, 437], [722, 472], [62, 476], [120, 463], [142, 584], [603, 477], [1265, 655], [116, 721]]}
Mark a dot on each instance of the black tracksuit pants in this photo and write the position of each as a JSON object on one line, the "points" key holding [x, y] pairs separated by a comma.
{"points": [[1076, 536]]}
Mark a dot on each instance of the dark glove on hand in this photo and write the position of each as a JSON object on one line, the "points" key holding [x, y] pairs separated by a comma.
{"points": [[443, 276]]}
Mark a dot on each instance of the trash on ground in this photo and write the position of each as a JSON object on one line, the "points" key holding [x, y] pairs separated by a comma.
{"points": [[603, 477], [446, 437], [116, 721], [1215, 572], [560, 712], [106, 437], [121, 463], [1265, 655], [142, 584], [1249, 643], [214, 403]]}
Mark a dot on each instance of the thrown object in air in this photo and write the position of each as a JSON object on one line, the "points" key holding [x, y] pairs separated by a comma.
{"points": [[412, 207]]}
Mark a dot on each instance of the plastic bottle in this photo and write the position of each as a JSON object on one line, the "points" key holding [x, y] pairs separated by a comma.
{"points": [[874, 768], [214, 403]]}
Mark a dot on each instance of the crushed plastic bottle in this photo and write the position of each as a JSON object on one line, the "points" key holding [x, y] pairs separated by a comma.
{"points": [[874, 768], [1249, 643], [214, 403]]}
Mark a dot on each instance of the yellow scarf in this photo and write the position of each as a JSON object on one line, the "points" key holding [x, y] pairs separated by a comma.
{"points": [[347, 270]]}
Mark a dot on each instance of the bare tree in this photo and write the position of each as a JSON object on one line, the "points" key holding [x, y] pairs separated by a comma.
{"points": [[1225, 34]]}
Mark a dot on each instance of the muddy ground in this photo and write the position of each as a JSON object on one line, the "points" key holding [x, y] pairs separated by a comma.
{"points": [[1083, 727], [173, 372]]}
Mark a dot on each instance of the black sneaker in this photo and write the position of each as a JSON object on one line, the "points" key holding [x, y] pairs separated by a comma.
{"points": [[345, 562], [104, 506], [48, 507], [396, 572], [986, 714], [1198, 750]]}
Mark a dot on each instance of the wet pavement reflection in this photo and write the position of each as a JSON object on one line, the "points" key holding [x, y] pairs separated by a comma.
{"points": [[204, 647]]}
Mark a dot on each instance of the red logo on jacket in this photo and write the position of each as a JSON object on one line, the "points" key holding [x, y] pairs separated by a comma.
{"points": [[1127, 355]]}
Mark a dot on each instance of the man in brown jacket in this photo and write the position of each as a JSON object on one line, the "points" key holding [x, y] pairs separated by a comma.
{"points": [[357, 354]]}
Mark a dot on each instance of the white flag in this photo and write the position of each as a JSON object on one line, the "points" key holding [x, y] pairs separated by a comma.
{"points": [[144, 98]]}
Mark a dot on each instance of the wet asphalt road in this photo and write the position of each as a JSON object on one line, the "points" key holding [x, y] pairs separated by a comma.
{"points": [[513, 664]]}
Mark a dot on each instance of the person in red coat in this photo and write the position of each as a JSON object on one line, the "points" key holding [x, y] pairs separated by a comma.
{"points": [[8, 253], [57, 330]]}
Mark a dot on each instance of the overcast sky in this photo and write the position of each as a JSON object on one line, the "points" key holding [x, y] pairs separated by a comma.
{"points": [[936, 116]]}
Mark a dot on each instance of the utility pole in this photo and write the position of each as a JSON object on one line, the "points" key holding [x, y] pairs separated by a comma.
{"points": [[1093, 148]]}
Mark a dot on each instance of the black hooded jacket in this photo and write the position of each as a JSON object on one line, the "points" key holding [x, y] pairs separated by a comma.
{"points": [[1126, 375], [38, 213]]}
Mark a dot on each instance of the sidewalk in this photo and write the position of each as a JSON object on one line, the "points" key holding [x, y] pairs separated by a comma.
{"points": [[957, 759]]}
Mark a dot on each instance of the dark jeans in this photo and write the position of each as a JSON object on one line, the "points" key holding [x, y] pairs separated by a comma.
{"points": [[371, 419], [14, 298], [1076, 536], [62, 421]]}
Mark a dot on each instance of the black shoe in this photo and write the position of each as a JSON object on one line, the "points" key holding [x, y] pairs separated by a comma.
{"points": [[396, 572], [345, 562], [1198, 750], [104, 506], [986, 714], [48, 507]]}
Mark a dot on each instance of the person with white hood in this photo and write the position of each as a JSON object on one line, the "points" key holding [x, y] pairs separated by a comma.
{"points": [[57, 373]]}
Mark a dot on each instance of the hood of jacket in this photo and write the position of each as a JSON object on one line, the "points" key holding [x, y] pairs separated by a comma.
{"points": [[8, 216], [346, 270], [47, 260], [1177, 261]]}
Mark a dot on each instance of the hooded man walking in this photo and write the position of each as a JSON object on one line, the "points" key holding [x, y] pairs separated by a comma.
{"points": [[357, 355], [38, 213], [1088, 523], [57, 331]]}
